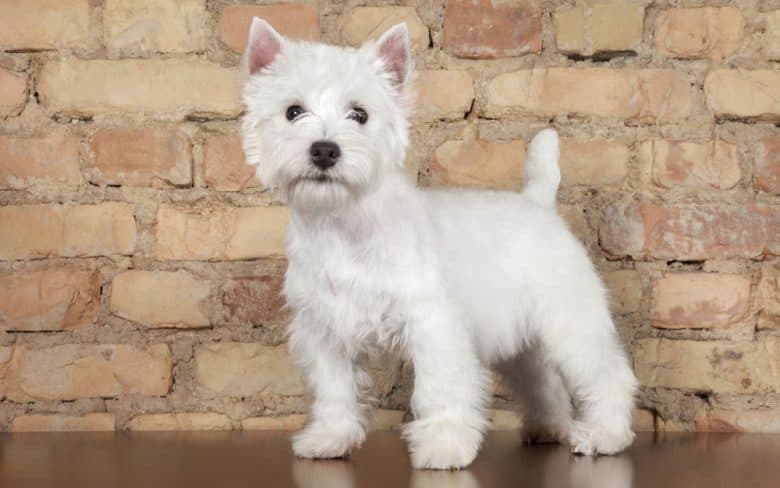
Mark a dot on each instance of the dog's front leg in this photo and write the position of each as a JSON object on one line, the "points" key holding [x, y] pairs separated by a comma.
{"points": [[449, 391]]}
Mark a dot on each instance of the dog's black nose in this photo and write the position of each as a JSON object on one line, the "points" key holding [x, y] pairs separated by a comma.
{"points": [[324, 154]]}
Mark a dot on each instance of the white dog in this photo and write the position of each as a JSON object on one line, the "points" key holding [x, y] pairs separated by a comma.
{"points": [[455, 280]]}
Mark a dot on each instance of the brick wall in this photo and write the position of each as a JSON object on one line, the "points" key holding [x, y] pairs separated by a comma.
{"points": [[141, 260]]}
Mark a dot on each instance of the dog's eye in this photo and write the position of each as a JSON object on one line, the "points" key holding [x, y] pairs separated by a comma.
{"points": [[358, 115], [293, 112]]}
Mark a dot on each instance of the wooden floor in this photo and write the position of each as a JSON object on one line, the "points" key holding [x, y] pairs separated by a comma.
{"points": [[248, 459]]}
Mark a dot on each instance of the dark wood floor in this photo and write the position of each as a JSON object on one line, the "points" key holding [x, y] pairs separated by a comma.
{"points": [[249, 459]]}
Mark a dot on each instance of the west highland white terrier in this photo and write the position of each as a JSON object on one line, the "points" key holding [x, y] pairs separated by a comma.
{"points": [[455, 280]]}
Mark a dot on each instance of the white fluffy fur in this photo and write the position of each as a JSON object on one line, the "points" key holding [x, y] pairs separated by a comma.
{"points": [[455, 280]]}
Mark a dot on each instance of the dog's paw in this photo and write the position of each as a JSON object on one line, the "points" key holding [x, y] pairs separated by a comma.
{"points": [[318, 441], [442, 444], [592, 440]]}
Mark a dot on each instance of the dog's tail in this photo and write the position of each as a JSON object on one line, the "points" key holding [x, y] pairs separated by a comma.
{"points": [[542, 172]]}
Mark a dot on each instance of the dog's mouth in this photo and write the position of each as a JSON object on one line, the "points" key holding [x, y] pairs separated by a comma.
{"points": [[320, 178]]}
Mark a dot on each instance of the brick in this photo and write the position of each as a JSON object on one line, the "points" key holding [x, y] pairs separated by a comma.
{"points": [[142, 157], [286, 423], [178, 87], [763, 421], [236, 369], [181, 421], [599, 28], [642, 420], [292, 20], [485, 29], [34, 25], [225, 166], [444, 94], [575, 220], [644, 96], [738, 93], [365, 23], [255, 299], [13, 93], [386, 419], [767, 172], [505, 420], [625, 290], [6, 353], [75, 371], [768, 299], [771, 42], [221, 233], [707, 32], [91, 422], [677, 163], [475, 163], [707, 366], [161, 298], [133, 27], [49, 300], [26, 162], [41, 231], [699, 300], [594, 162], [690, 232]]}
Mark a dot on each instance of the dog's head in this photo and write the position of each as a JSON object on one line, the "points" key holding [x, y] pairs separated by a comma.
{"points": [[324, 123]]}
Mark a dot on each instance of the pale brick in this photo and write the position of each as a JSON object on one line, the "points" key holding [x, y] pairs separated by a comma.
{"points": [[625, 290], [737, 93], [505, 420], [599, 28], [486, 29], [91, 422], [676, 163], [225, 166], [41, 231], [6, 353], [181, 421], [286, 423], [767, 174], [723, 367], [385, 419], [13, 93], [771, 43], [161, 298], [768, 299], [255, 299], [699, 300], [74, 371], [763, 421], [221, 233], [647, 95], [241, 369], [31, 162], [178, 87], [575, 220], [642, 420], [49, 300], [292, 20], [132, 27], [707, 32], [474, 163], [593, 162], [31, 25], [444, 94], [365, 23]]}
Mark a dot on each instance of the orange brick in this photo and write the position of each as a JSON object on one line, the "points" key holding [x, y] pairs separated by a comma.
{"points": [[285, 423], [676, 163], [707, 32], [444, 94], [771, 44], [225, 164], [32, 162], [364, 23], [699, 300], [768, 298], [767, 175], [91, 422], [13, 93], [255, 299], [292, 20], [625, 290], [601, 27], [737, 93], [593, 162], [479, 164], [190, 421], [718, 420], [44, 24]]}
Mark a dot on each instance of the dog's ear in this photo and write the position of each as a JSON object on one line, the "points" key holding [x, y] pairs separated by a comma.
{"points": [[263, 46], [393, 49]]}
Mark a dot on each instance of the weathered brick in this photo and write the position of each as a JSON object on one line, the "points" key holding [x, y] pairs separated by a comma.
{"points": [[505, 420], [699, 300], [364, 23], [73, 371], [161, 298], [221, 233], [707, 32], [181, 421], [241, 369], [285, 423], [593, 162], [132, 27], [6, 353], [678, 163], [67, 230], [91, 422], [642, 420], [768, 299], [13, 93], [142, 157], [625, 290], [646, 95], [575, 220], [485, 29], [178, 87], [225, 166], [738, 93], [771, 43], [477, 163], [254, 299], [764, 421], [724, 367], [31, 162], [599, 27], [43, 24], [49, 300], [292, 20], [444, 94], [767, 174]]}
